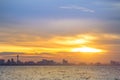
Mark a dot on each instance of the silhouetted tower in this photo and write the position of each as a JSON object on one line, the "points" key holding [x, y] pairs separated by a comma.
{"points": [[17, 59]]}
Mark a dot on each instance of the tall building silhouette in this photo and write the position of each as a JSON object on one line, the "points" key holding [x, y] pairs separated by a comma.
{"points": [[17, 59]]}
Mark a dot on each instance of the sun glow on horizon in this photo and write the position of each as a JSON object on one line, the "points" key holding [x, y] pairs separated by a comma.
{"points": [[87, 49]]}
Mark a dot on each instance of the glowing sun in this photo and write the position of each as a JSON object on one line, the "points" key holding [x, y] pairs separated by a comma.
{"points": [[87, 50]]}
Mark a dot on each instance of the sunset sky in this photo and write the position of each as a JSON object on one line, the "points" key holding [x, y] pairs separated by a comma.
{"points": [[76, 30]]}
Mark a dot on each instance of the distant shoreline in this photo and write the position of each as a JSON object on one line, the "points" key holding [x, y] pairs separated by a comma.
{"points": [[59, 65]]}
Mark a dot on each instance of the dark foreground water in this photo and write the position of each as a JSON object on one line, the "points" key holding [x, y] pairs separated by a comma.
{"points": [[59, 73]]}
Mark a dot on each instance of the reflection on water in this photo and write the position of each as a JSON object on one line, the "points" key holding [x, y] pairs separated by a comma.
{"points": [[59, 73]]}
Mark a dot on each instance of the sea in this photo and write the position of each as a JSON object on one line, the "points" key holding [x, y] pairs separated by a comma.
{"points": [[59, 72]]}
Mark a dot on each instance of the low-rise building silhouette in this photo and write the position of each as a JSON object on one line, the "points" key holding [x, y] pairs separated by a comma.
{"points": [[64, 62], [29, 63], [114, 63], [46, 62], [2, 61]]}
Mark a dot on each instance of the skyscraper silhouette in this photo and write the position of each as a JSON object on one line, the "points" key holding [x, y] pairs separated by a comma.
{"points": [[17, 59]]}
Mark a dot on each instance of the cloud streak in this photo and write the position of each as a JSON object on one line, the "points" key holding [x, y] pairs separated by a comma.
{"points": [[83, 9]]}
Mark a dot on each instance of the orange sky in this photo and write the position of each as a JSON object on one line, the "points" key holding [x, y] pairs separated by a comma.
{"points": [[79, 48]]}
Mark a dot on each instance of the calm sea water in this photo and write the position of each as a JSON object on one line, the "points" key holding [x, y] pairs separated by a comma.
{"points": [[59, 73]]}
